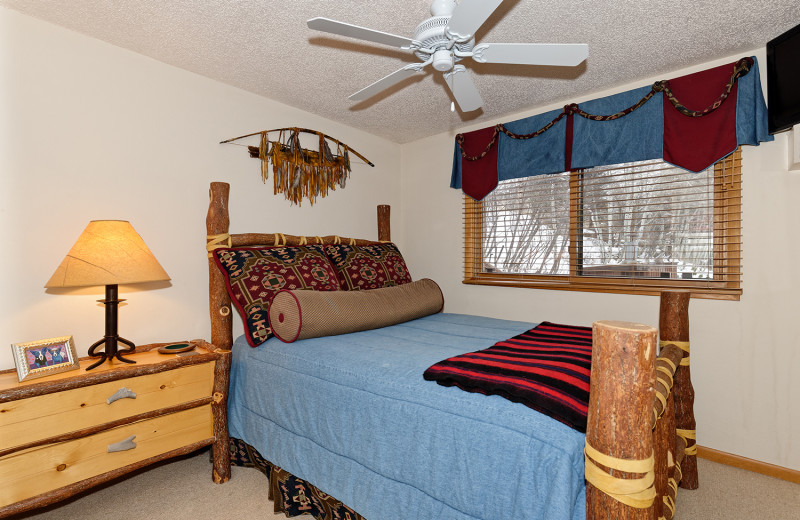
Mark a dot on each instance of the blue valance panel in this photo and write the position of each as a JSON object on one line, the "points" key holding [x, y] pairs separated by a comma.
{"points": [[636, 137], [542, 154], [691, 121]]}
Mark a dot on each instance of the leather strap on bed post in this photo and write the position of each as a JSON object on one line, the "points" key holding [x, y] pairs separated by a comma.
{"points": [[635, 492], [688, 435], [217, 242], [683, 345]]}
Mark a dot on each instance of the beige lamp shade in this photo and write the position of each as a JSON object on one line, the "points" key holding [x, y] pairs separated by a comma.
{"points": [[108, 252]]}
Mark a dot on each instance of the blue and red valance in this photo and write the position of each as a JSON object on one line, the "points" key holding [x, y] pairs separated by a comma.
{"points": [[691, 121]]}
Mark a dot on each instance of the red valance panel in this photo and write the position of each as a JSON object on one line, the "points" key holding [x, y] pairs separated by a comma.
{"points": [[691, 121], [479, 178], [695, 143]]}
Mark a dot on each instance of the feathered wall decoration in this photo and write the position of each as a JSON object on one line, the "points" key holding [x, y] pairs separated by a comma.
{"points": [[299, 172]]}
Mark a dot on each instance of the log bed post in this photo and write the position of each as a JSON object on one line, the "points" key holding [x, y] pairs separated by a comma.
{"points": [[666, 451], [619, 443], [220, 450], [384, 227], [673, 325], [217, 226]]}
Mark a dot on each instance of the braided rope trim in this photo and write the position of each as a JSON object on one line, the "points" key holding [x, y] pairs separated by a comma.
{"points": [[638, 492], [741, 68]]}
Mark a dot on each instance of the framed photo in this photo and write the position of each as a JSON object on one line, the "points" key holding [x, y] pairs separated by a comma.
{"points": [[42, 358]]}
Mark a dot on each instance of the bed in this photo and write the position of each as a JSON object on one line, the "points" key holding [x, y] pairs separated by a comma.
{"points": [[350, 416]]}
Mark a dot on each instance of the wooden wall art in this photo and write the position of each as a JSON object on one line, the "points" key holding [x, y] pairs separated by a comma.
{"points": [[301, 172]]}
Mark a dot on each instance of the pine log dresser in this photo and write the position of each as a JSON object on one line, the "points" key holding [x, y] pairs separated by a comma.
{"points": [[64, 433]]}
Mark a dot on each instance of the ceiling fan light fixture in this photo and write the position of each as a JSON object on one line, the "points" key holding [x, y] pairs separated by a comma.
{"points": [[443, 60]]}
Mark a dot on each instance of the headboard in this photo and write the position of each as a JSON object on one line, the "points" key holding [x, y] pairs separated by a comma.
{"points": [[218, 236]]}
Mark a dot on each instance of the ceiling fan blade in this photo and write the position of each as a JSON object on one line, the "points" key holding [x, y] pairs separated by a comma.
{"points": [[460, 83], [360, 33], [559, 54], [389, 81], [469, 15]]}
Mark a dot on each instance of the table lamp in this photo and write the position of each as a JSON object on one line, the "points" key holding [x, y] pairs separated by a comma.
{"points": [[108, 252]]}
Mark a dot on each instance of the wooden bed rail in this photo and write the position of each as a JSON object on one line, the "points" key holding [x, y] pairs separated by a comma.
{"points": [[218, 236]]}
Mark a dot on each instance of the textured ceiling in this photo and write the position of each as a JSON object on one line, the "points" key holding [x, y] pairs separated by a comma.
{"points": [[265, 47]]}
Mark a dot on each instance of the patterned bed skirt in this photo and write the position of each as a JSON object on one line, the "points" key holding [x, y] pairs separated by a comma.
{"points": [[289, 494]]}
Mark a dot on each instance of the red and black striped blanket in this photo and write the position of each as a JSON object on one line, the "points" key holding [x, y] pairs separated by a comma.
{"points": [[546, 368]]}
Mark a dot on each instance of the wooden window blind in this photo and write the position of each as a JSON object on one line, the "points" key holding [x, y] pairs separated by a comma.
{"points": [[629, 228]]}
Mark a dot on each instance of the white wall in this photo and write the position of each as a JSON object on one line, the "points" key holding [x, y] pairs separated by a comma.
{"points": [[90, 131], [745, 354]]}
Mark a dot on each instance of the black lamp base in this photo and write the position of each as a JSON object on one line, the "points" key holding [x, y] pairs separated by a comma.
{"points": [[110, 352], [111, 339]]}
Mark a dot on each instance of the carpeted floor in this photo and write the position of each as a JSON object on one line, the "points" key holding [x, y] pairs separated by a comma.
{"points": [[183, 490]]}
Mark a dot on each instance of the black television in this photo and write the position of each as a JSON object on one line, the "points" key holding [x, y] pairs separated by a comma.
{"points": [[783, 80]]}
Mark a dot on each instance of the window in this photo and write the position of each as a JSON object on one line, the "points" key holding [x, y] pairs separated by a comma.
{"points": [[630, 228]]}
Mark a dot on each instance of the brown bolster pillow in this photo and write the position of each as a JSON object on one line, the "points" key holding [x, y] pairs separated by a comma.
{"points": [[302, 314]]}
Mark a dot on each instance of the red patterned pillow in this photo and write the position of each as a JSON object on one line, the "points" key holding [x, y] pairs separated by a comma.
{"points": [[254, 275], [368, 267]]}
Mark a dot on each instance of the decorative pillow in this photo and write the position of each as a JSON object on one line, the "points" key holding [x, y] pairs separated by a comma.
{"points": [[254, 275], [368, 267], [309, 314]]}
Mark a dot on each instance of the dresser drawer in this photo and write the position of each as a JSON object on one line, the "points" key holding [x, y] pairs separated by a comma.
{"points": [[36, 470], [50, 415]]}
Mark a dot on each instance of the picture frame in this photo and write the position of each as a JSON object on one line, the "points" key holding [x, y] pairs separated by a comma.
{"points": [[41, 358]]}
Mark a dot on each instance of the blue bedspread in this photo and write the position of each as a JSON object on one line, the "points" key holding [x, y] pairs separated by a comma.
{"points": [[352, 415]]}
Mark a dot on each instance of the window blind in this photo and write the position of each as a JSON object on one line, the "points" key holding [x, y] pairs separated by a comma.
{"points": [[635, 227]]}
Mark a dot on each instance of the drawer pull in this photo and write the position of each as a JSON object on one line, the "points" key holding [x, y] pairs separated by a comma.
{"points": [[122, 393], [125, 445]]}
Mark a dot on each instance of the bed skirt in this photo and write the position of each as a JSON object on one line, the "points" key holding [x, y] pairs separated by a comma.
{"points": [[290, 495]]}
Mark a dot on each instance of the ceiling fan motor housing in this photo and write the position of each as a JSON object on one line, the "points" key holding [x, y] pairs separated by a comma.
{"points": [[431, 34]]}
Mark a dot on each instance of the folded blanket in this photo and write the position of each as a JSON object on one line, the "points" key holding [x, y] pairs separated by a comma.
{"points": [[546, 368]]}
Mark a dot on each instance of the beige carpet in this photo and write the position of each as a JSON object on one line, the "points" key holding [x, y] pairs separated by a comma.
{"points": [[182, 490]]}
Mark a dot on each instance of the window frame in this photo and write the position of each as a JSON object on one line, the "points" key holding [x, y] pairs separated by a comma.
{"points": [[727, 247]]}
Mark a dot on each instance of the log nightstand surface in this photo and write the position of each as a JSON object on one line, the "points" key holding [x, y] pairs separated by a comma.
{"points": [[62, 434]]}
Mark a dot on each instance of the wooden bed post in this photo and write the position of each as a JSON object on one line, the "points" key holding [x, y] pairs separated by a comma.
{"points": [[221, 450], [619, 442], [673, 324], [217, 226], [384, 225], [666, 450]]}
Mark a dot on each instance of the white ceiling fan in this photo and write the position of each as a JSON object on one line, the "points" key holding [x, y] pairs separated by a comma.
{"points": [[448, 37]]}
